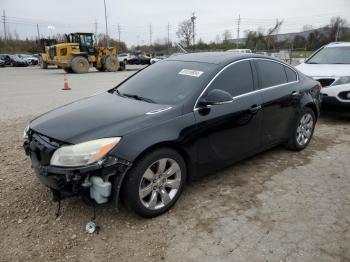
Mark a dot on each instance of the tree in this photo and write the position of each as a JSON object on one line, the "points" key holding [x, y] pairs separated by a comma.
{"points": [[299, 41], [307, 28], [226, 35], [185, 32], [337, 28], [271, 34]]}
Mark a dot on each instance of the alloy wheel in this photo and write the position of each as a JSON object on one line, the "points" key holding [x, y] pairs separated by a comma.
{"points": [[160, 183], [305, 129]]}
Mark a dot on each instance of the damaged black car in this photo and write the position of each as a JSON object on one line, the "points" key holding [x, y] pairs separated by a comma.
{"points": [[174, 121]]}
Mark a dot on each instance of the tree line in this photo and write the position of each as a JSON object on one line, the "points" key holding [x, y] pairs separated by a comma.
{"points": [[260, 39]]}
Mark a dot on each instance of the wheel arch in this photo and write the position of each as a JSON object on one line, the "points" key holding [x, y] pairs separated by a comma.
{"points": [[174, 146], [313, 107]]}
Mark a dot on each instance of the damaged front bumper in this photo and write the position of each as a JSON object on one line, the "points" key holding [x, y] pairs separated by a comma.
{"points": [[100, 181]]}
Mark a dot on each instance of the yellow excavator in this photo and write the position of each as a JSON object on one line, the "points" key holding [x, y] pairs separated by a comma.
{"points": [[79, 53]]}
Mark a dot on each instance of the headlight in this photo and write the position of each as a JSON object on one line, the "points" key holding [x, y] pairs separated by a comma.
{"points": [[342, 80], [84, 153], [25, 133]]}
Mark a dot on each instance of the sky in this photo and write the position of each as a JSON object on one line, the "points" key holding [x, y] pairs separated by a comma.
{"points": [[134, 17]]}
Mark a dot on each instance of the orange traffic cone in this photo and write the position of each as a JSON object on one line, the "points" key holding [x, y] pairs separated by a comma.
{"points": [[65, 84]]}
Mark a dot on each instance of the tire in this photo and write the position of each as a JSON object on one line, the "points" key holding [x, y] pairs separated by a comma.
{"points": [[303, 129], [68, 70], [141, 187], [80, 65], [111, 64], [43, 64], [122, 66]]}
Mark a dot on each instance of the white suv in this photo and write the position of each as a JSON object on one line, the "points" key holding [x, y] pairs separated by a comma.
{"points": [[330, 65]]}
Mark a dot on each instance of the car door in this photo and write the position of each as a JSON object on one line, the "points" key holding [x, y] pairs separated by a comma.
{"points": [[229, 132], [280, 93]]}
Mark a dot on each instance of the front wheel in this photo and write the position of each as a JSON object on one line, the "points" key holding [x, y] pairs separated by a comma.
{"points": [[303, 130], [80, 65], [111, 64], [155, 182]]}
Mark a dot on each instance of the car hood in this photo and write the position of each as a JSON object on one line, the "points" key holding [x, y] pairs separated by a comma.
{"points": [[324, 70], [100, 116]]}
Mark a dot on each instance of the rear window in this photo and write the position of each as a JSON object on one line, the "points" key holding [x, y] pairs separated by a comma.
{"points": [[168, 82], [291, 75], [271, 73]]}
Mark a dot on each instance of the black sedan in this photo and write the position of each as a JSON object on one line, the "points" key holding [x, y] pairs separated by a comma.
{"points": [[172, 122]]}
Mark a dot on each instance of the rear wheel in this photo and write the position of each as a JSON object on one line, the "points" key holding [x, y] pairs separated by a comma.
{"points": [[155, 182], [80, 65], [303, 130], [43, 64], [111, 63], [122, 66]]}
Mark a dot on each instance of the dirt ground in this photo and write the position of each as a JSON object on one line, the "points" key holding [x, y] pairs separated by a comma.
{"points": [[276, 206]]}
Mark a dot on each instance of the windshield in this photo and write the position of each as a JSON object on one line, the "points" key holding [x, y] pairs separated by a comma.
{"points": [[331, 55], [167, 82]]}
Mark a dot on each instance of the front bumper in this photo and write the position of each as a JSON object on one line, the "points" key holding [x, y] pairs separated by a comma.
{"points": [[67, 182], [336, 95]]}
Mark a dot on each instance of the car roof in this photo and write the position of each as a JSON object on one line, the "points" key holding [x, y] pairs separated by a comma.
{"points": [[336, 44], [218, 58]]}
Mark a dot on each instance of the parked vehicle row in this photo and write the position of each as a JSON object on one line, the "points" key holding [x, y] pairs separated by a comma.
{"points": [[17, 60]]}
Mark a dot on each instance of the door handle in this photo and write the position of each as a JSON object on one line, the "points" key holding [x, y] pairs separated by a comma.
{"points": [[295, 93], [255, 108]]}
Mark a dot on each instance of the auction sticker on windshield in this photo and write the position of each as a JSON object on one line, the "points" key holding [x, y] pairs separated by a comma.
{"points": [[189, 72]]}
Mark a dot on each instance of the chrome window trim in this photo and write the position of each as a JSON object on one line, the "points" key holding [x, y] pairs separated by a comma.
{"points": [[195, 108]]}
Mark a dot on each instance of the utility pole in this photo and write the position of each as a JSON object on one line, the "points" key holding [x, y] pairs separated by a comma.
{"points": [[193, 19], [238, 28], [37, 29], [337, 34], [95, 31], [4, 21], [150, 34], [107, 42], [168, 44], [238, 25], [119, 31]]}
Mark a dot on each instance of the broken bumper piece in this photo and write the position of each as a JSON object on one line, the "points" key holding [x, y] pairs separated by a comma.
{"points": [[93, 181]]}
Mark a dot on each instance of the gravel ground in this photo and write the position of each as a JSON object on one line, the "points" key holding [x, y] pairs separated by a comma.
{"points": [[276, 206]]}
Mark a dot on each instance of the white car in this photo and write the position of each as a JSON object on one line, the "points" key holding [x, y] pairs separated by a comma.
{"points": [[157, 58], [248, 51], [124, 57], [330, 65]]}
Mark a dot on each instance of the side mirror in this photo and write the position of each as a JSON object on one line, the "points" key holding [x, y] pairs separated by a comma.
{"points": [[216, 97]]}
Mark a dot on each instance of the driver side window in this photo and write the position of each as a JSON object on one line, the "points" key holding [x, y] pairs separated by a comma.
{"points": [[237, 79]]}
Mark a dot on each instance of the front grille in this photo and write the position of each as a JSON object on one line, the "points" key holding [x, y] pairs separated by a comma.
{"points": [[325, 81], [43, 147]]}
